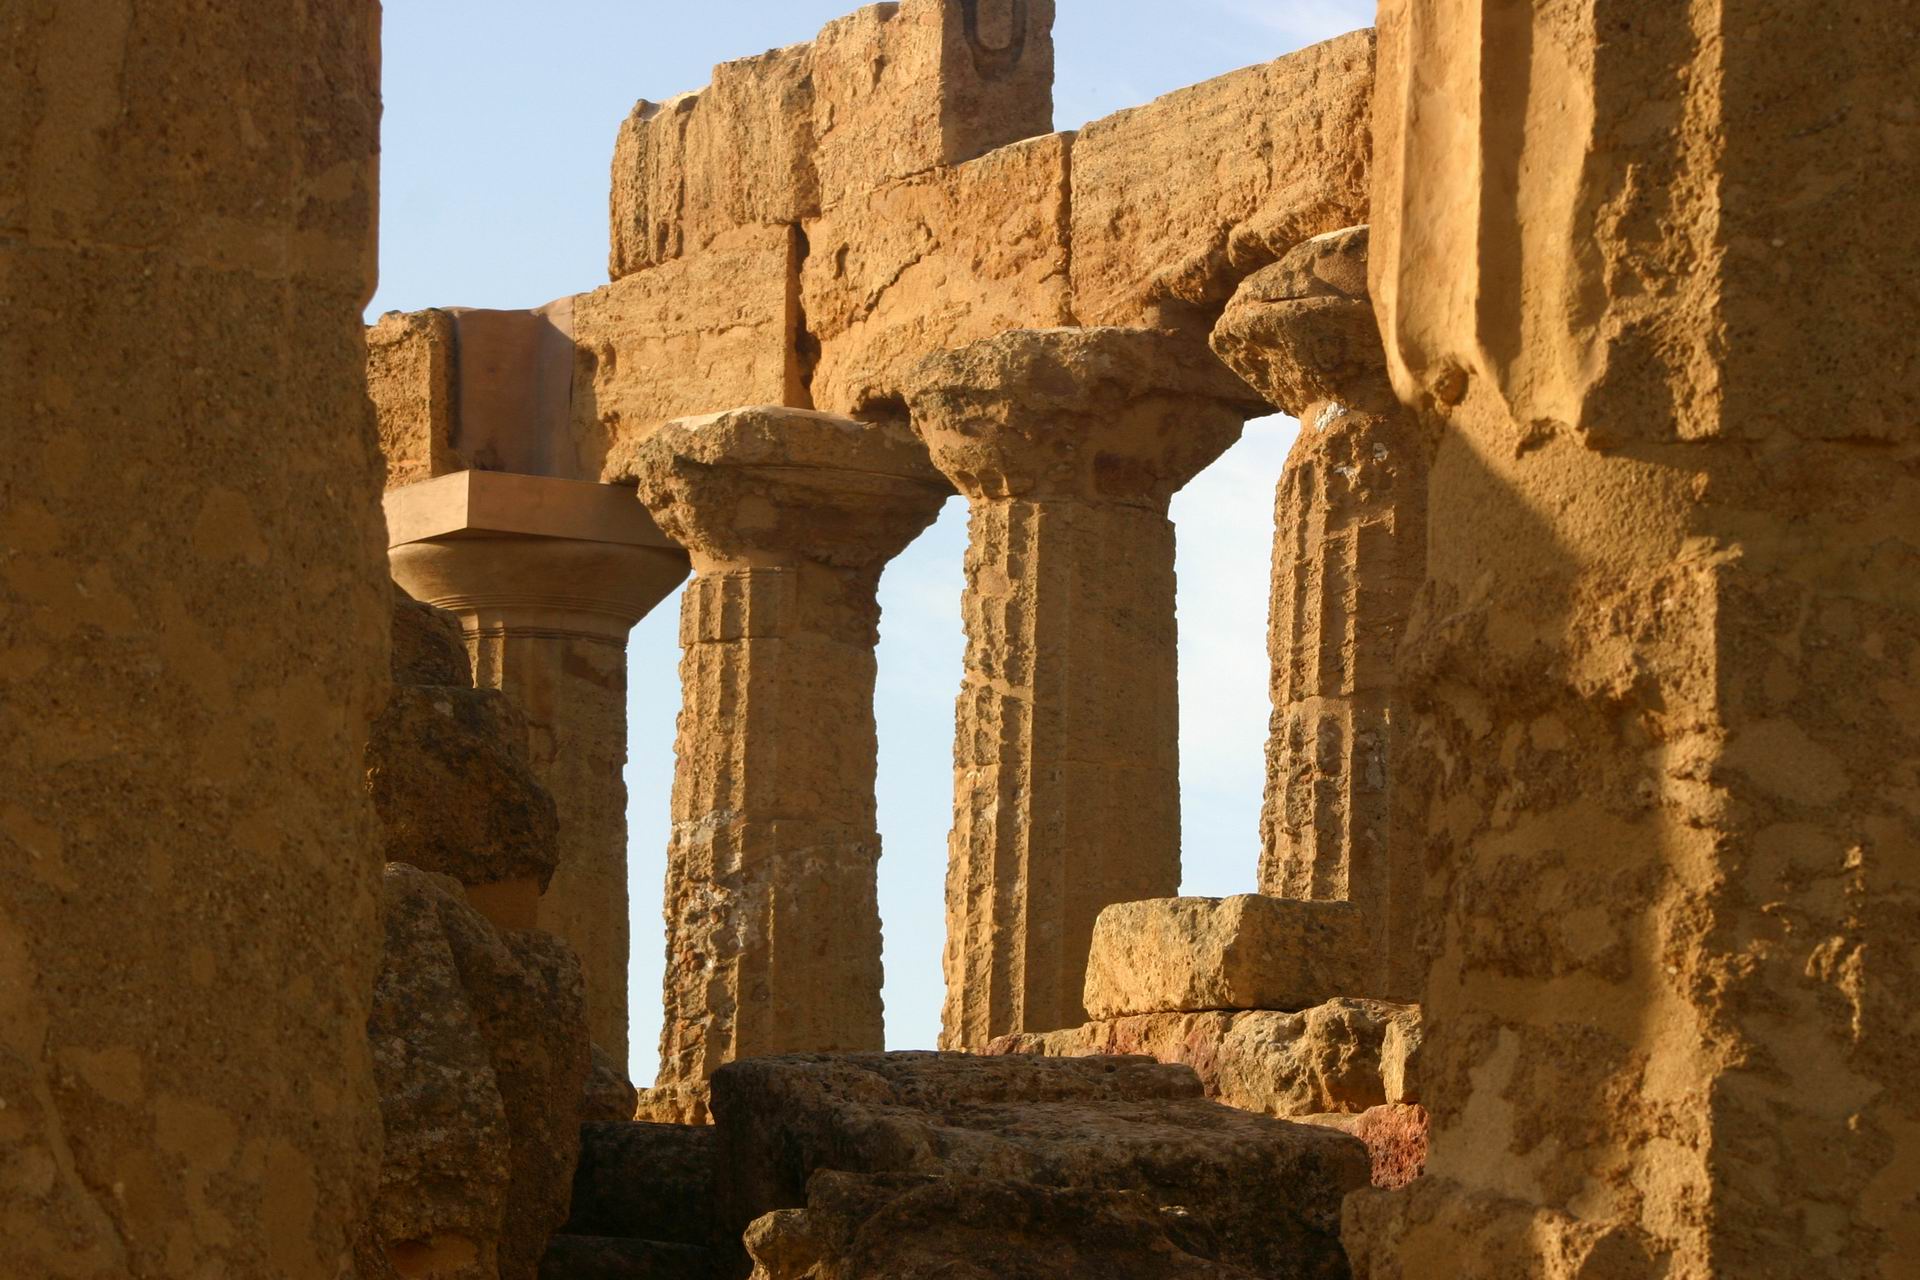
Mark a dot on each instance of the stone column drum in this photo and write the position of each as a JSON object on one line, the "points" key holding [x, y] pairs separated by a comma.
{"points": [[548, 577], [1069, 444], [773, 926], [1340, 818]]}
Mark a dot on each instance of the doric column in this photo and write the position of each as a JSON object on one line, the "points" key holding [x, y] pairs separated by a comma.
{"points": [[1069, 444], [1349, 554], [773, 926], [548, 577]]}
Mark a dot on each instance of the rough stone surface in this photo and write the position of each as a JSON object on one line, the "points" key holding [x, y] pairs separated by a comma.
{"points": [[934, 261], [613, 1258], [1175, 201], [480, 1050], [192, 638], [1335, 1057], [692, 336], [410, 364], [1267, 1191], [1658, 302], [428, 647], [919, 1227], [1069, 444], [447, 768], [773, 925], [1341, 818], [608, 1097], [1171, 955], [902, 88], [644, 1181], [738, 153]]}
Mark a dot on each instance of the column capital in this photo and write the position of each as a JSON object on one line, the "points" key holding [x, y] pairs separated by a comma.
{"points": [[1302, 331], [772, 487], [1125, 416], [531, 554]]}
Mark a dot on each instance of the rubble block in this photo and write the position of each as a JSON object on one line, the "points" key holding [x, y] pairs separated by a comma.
{"points": [[448, 771], [737, 153], [644, 1181], [1343, 1056], [694, 336], [1395, 1134], [608, 1095], [1267, 1192], [1168, 955], [903, 88], [480, 1048], [921, 1227], [1175, 201], [934, 261], [410, 363]]}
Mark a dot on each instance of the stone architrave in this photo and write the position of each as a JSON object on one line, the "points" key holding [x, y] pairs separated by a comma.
{"points": [[933, 261], [1068, 444], [193, 638], [1176, 200], [773, 926], [1340, 818], [1657, 298], [547, 578]]}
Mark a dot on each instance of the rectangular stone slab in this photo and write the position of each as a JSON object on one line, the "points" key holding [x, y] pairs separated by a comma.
{"points": [[1169, 955], [697, 335], [1176, 200], [935, 261], [410, 381], [737, 153]]}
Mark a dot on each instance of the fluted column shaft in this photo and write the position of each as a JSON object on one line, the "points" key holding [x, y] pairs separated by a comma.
{"points": [[546, 620], [773, 922], [1069, 445], [1339, 819]]}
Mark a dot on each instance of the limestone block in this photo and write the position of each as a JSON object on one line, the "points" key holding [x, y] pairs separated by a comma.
{"points": [[1333, 1057], [1266, 1191], [1166, 955], [410, 379], [644, 1181], [618, 1258], [193, 638], [1396, 1138], [480, 1050], [427, 645], [448, 771], [737, 153], [902, 88], [919, 1227], [934, 261], [693, 336], [1175, 201], [608, 1096]]}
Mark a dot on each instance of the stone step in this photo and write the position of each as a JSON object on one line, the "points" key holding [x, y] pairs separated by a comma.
{"points": [[572, 1257], [642, 1181]]}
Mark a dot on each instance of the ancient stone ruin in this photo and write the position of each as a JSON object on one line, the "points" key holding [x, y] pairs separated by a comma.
{"points": [[1586, 932]]}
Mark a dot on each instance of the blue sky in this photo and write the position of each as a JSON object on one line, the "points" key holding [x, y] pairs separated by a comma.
{"points": [[500, 119]]}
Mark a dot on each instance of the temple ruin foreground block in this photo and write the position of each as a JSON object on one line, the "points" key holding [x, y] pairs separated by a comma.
{"points": [[1657, 299], [933, 261], [1341, 817], [1068, 444], [1176, 200], [193, 639], [547, 578], [773, 928], [1172, 955], [696, 335], [1263, 1193]]}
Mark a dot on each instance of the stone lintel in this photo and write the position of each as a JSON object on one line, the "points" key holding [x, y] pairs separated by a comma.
{"points": [[1169, 955]]}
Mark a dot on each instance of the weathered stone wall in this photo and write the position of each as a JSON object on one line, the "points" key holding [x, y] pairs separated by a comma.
{"points": [[1655, 279], [193, 638]]}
